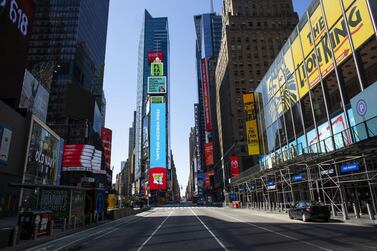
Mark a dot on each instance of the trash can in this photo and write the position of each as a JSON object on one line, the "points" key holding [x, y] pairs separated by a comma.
{"points": [[34, 222]]}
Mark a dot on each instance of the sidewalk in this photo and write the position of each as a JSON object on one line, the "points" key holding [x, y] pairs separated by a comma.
{"points": [[362, 221]]}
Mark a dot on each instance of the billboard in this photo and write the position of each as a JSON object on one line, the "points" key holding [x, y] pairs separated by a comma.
{"points": [[152, 55], [234, 165], [208, 150], [157, 69], [206, 98], [5, 141], [34, 97], [43, 155], [157, 85], [106, 138], [251, 124], [16, 17], [308, 55], [157, 179], [82, 158], [158, 136], [157, 99]]}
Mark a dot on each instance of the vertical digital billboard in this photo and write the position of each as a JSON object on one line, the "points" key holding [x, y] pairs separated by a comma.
{"points": [[234, 165], [208, 150], [157, 69], [158, 153], [251, 124], [5, 141], [106, 138], [206, 98]]}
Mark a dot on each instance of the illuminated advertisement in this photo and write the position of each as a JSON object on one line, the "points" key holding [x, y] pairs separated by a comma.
{"points": [[34, 97], [152, 55], [157, 99], [43, 155], [5, 141], [157, 69], [234, 165], [208, 151], [157, 85], [206, 98], [197, 136], [251, 124], [16, 17], [106, 138], [208, 175], [158, 136], [157, 179], [82, 158]]}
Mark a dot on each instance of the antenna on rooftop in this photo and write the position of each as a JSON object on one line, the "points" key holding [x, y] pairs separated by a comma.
{"points": [[212, 9]]}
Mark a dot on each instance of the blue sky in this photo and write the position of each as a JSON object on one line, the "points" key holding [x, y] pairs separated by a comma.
{"points": [[125, 20]]}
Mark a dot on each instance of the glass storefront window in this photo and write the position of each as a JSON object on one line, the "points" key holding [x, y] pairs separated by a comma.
{"points": [[348, 75], [319, 104], [307, 112], [334, 102], [297, 119], [368, 62]]}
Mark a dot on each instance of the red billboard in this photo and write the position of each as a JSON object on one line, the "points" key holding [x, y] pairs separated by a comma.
{"points": [[152, 55], [157, 179], [208, 151], [106, 138], [209, 174], [234, 165], [82, 158], [206, 98]]}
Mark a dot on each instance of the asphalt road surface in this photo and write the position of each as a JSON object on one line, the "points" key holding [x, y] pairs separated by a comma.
{"points": [[201, 228]]}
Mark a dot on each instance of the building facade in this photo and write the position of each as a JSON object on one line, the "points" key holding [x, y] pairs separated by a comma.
{"points": [[208, 40], [69, 42], [154, 45], [316, 114], [253, 33]]}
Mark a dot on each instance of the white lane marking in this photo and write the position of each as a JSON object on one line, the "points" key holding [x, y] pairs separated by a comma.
{"points": [[154, 232], [209, 230], [126, 221], [99, 232], [277, 233]]}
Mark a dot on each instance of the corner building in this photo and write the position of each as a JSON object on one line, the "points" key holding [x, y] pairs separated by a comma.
{"points": [[253, 33], [317, 113], [154, 41]]}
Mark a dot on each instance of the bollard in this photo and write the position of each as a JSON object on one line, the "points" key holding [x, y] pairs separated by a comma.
{"points": [[35, 231], [356, 211], [90, 218], [344, 211], [370, 212], [103, 216], [15, 236], [64, 224], [333, 210], [83, 220], [51, 228], [97, 217], [74, 222]]}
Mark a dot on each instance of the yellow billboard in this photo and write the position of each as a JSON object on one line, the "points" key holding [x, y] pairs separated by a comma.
{"points": [[157, 69], [251, 124]]}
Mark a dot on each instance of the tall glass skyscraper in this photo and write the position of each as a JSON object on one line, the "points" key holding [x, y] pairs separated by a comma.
{"points": [[154, 39], [69, 40], [208, 29]]}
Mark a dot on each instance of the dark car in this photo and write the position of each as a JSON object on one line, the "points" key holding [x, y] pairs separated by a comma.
{"points": [[309, 211]]}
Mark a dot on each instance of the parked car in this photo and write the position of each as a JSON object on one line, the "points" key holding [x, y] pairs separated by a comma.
{"points": [[309, 211]]}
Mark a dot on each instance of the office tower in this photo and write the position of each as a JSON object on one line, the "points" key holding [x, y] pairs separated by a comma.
{"points": [[152, 108]]}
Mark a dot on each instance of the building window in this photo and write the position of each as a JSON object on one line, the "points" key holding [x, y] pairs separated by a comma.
{"points": [[334, 102], [368, 62], [348, 76]]}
